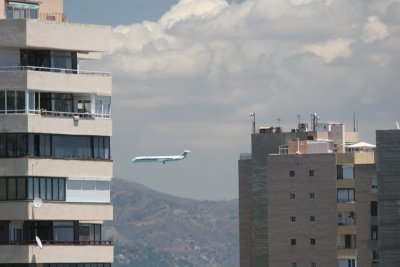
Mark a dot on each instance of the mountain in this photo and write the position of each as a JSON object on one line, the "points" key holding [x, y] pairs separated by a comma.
{"points": [[155, 229]]}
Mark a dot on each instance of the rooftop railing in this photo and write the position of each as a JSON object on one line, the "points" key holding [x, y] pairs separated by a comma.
{"points": [[48, 69]]}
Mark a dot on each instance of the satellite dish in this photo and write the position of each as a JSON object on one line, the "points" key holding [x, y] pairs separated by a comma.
{"points": [[39, 242], [398, 126], [37, 202]]}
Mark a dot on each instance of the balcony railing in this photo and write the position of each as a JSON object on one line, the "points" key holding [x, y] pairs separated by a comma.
{"points": [[48, 69], [58, 243], [53, 16]]}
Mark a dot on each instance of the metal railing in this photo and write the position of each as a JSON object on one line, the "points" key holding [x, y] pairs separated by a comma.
{"points": [[52, 16], [86, 115], [59, 243], [48, 69]]}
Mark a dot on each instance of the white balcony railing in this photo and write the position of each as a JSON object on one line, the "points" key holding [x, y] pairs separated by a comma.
{"points": [[48, 69]]}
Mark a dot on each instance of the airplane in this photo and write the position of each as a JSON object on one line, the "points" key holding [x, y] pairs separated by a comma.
{"points": [[162, 159]]}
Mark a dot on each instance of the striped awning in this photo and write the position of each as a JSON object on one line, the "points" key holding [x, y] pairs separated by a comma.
{"points": [[23, 5]]}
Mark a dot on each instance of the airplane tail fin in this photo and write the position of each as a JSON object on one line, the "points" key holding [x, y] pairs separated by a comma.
{"points": [[185, 153]]}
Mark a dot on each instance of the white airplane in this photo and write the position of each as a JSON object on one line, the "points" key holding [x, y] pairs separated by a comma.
{"points": [[162, 159]]}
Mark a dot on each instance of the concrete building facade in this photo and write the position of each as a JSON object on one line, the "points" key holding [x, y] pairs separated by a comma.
{"points": [[388, 172], [55, 128], [306, 198]]}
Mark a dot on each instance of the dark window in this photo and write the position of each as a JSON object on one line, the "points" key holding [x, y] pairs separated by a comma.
{"points": [[292, 196], [374, 208], [312, 218], [11, 189], [3, 145], [11, 101], [2, 102], [291, 173], [374, 232], [21, 145], [311, 195], [21, 188], [293, 264], [3, 189], [311, 172], [312, 241], [293, 241], [11, 145], [292, 219], [313, 264], [345, 195]]}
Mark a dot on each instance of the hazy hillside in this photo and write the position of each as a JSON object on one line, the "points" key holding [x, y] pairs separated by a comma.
{"points": [[155, 229]]}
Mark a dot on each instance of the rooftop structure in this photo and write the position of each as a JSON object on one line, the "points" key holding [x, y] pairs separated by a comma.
{"points": [[55, 160]]}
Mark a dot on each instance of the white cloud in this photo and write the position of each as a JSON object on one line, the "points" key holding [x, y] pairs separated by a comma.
{"points": [[374, 30], [330, 50], [191, 78]]}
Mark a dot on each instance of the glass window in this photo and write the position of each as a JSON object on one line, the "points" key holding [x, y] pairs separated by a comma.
{"points": [[311, 195], [11, 145], [3, 145], [102, 185], [35, 187], [49, 186], [11, 189], [30, 188], [2, 102], [55, 189], [348, 172], [43, 188], [374, 232], [374, 208], [311, 172], [31, 101], [292, 219], [374, 185], [20, 101], [345, 195], [61, 189], [293, 241], [312, 219], [21, 188], [292, 196], [106, 147], [3, 189], [291, 173], [10, 101], [63, 231], [21, 145], [312, 241], [89, 185]]}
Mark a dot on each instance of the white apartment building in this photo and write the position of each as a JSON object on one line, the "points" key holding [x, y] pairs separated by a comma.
{"points": [[55, 129]]}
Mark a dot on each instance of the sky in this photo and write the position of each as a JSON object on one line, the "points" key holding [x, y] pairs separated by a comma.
{"points": [[187, 73]]}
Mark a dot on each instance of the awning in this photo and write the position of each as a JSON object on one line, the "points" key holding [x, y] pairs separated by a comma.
{"points": [[23, 5], [361, 145]]}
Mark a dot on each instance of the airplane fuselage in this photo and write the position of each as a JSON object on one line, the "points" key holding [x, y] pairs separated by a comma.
{"points": [[162, 159]]}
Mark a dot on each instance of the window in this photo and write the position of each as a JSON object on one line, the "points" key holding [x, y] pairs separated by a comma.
{"points": [[374, 185], [311, 195], [291, 173], [293, 264], [46, 188], [312, 219], [312, 241], [311, 172], [293, 241], [90, 232], [374, 232], [292, 219], [374, 208], [345, 172], [313, 264], [375, 256], [292, 196], [63, 231], [54, 146], [345, 195]]}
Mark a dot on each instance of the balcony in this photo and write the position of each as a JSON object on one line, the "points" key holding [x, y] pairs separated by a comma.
{"points": [[61, 211], [58, 252], [55, 80], [51, 34]]}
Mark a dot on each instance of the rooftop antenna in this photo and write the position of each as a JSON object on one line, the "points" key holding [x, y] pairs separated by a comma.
{"points": [[279, 122], [314, 120], [299, 117], [354, 121], [253, 115]]}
